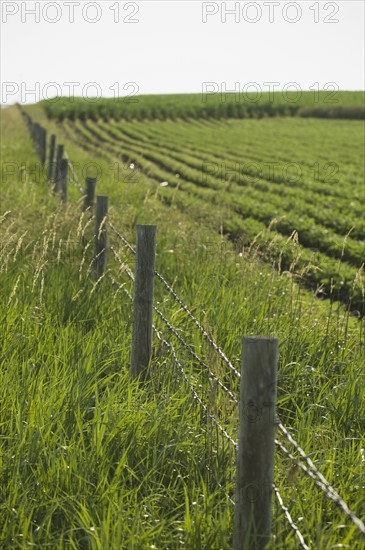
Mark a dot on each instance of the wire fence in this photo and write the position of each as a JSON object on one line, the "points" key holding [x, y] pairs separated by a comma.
{"points": [[75, 179], [306, 465], [204, 407], [308, 468]]}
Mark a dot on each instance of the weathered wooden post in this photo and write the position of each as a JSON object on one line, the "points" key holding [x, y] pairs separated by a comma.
{"points": [[90, 185], [143, 300], [31, 128], [35, 136], [64, 180], [100, 235], [42, 144], [52, 148], [59, 156], [255, 459]]}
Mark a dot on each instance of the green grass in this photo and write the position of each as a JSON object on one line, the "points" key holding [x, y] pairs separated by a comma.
{"points": [[89, 458]]}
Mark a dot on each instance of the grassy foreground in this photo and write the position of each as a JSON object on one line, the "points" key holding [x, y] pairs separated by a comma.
{"points": [[90, 459]]}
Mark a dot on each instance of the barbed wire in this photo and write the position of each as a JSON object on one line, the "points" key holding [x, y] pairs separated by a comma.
{"points": [[312, 472], [186, 378], [179, 337], [207, 336], [328, 487], [222, 430], [195, 394], [197, 323], [192, 352], [289, 518], [231, 441], [323, 484], [123, 239]]}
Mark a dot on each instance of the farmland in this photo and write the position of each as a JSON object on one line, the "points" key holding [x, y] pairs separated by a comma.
{"points": [[242, 104], [260, 230], [298, 183]]}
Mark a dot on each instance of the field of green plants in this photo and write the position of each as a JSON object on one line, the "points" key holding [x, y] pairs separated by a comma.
{"points": [[295, 182], [91, 459], [215, 105]]}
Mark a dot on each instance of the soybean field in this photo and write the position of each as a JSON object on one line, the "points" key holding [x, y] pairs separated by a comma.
{"points": [[295, 182]]}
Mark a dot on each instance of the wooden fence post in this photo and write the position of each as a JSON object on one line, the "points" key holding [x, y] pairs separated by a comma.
{"points": [[90, 185], [64, 180], [57, 186], [143, 299], [42, 144], [255, 459], [52, 148], [100, 235], [35, 136]]}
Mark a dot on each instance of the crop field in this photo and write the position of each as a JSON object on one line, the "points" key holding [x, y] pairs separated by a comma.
{"points": [[297, 182], [260, 231], [243, 104]]}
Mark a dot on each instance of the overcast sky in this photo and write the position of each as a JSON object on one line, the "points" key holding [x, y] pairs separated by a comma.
{"points": [[178, 46]]}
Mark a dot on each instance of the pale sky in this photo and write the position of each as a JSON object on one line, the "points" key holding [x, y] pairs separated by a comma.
{"points": [[178, 46]]}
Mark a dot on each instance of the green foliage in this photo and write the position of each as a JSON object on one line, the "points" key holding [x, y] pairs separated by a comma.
{"points": [[248, 177], [90, 459], [350, 112], [213, 105]]}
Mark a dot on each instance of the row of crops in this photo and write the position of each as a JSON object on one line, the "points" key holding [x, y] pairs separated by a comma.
{"points": [[217, 105], [255, 180]]}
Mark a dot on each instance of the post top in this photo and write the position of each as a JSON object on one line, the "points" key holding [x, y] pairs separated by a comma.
{"points": [[259, 339]]}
